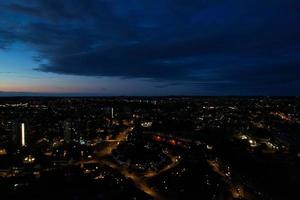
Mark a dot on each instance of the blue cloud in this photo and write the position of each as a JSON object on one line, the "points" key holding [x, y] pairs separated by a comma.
{"points": [[237, 46]]}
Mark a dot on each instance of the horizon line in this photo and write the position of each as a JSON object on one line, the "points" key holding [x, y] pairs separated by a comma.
{"points": [[56, 94]]}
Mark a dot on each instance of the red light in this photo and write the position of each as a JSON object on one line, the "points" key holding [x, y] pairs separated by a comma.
{"points": [[157, 138], [172, 142]]}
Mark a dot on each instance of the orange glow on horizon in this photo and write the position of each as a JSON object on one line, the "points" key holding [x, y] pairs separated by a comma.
{"points": [[40, 89]]}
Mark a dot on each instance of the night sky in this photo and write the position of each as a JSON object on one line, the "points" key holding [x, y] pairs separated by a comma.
{"points": [[150, 47]]}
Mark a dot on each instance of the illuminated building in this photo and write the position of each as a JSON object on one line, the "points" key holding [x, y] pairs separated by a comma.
{"points": [[19, 135], [23, 134], [29, 159], [70, 131], [67, 132]]}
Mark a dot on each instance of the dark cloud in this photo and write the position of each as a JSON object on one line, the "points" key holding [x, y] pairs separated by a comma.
{"points": [[231, 46]]}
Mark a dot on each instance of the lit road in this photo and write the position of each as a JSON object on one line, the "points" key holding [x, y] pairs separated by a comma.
{"points": [[174, 162], [113, 144], [237, 190], [216, 168], [138, 181]]}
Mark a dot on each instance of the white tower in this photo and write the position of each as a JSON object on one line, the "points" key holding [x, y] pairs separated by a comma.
{"points": [[23, 134]]}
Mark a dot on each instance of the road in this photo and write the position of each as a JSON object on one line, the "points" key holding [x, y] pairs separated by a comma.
{"points": [[237, 190], [138, 180], [111, 145], [174, 162]]}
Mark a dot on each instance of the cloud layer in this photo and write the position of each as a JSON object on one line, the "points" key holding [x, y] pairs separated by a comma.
{"points": [[242, 47]]}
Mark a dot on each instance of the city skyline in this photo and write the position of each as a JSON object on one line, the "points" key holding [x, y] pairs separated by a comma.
{"points": [[156, 148], [147, 48]]}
